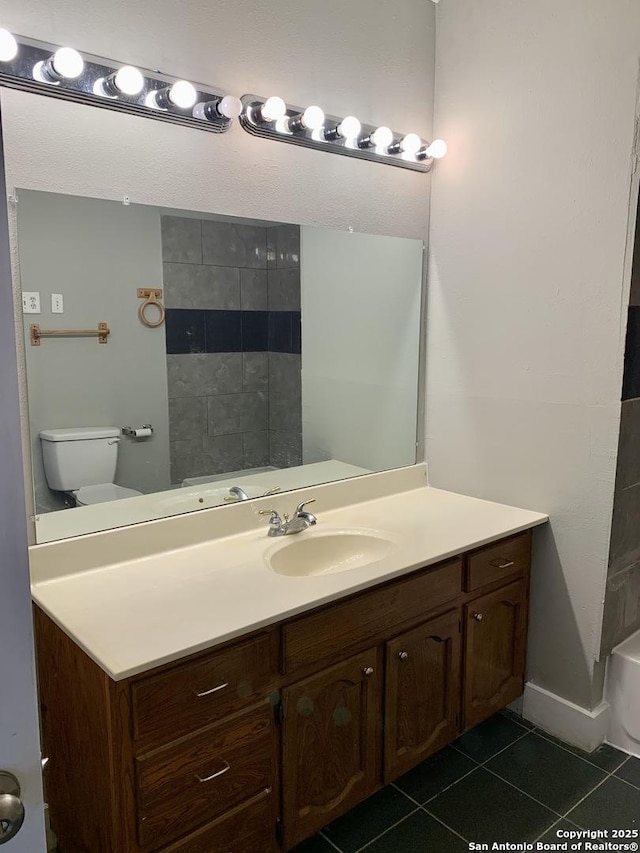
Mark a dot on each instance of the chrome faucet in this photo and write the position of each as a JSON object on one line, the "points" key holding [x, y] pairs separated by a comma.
{"points": [[283, 526], [238, 494]]}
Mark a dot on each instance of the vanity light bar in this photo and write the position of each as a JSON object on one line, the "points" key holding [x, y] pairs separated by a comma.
{"points": [[271, 118], [63, 72]]}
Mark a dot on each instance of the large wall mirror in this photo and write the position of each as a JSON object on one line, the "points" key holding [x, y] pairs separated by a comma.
{"points": [[288, 357]]}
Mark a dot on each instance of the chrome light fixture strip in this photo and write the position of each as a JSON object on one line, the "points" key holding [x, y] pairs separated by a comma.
{"points": [[18, 73], [278, 130]]}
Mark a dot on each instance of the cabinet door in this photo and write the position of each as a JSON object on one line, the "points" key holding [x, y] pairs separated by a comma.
{"points": [[422, 702], [495, 646], [331, 744]]}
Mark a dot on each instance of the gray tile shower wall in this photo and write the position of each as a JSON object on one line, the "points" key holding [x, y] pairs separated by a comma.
{"points": [[285, 383], [634, 298], [232, 293], [622, 596]]}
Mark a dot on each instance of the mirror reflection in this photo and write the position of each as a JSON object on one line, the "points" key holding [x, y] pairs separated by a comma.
{"points": [[279, 356]]}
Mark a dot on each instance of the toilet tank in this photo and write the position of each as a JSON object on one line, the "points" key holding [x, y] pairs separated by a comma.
{"points": [[79, 456]]}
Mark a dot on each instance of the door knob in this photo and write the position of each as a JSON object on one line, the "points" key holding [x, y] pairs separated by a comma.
{"points": [[478, 617], [403, 655], [368, 671], [11, 808]]}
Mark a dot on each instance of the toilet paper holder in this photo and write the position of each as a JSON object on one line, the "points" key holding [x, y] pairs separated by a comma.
{"points": [[144, 431]]}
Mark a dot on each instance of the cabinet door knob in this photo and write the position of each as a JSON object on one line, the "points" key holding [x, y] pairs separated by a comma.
{"points": [[368, 671], [403, 655], [11, 808], [478, 617]]}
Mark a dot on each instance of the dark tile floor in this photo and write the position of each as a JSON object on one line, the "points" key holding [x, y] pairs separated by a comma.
{"points": [[503, 781]]}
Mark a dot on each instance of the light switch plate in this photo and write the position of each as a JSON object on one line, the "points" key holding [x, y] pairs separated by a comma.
{"points": [[30, 302], [57, 303]]}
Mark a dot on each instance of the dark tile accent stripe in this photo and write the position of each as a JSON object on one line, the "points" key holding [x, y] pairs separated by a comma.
{"points": [[280, 331], [190, 330], [255, 331], [184, 330], [285, 331], [631, 380], [223, 331], [296, 332]]}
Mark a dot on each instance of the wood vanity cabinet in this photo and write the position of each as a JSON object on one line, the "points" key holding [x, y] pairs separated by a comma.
{"points": [[255, 745], [422, 692], [496, 626], [330, 743]]}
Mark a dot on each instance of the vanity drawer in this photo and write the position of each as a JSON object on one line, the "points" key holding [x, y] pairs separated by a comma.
{"points": [[199, 778], [354, 623], [498, 561], [195, 694], [248, 829]]}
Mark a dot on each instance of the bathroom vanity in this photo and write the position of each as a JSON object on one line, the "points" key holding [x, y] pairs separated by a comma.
{"points": [[277, 724]]}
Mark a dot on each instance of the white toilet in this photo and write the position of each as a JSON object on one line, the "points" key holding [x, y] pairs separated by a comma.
{"points": [[81, 461]]}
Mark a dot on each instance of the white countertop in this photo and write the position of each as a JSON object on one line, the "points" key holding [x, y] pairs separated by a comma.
{"points": [[133, 615]]}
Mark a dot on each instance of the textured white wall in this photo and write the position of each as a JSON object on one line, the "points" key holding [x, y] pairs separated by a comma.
{"points": [[526, 318], [373, 60]]}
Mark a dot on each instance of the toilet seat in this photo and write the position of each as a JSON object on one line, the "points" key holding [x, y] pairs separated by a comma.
{"points": [[101, 493]]}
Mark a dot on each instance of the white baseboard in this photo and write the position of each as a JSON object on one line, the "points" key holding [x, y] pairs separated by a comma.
{"points": [[561, 718]]}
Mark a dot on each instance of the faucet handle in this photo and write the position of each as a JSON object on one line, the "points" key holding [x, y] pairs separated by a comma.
{"points": [[300, 507], [275, 516], [277, 526]]}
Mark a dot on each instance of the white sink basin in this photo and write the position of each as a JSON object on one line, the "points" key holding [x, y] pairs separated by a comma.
{"points": [[328, 553]]}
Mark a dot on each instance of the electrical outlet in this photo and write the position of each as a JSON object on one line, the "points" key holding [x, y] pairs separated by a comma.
{"points": [[30, 302], [57, 303]]}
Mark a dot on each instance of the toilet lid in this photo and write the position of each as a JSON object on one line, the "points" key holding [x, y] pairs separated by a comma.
{"points": [[103, 492]]}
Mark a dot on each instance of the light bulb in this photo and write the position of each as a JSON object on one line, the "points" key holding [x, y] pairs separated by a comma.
{"points": [[67, 63], [152, 99], [8, 46], [313, 118], [129, 80], [382, 137], [437, 149], [349, 127], [229, 106], [273, 109], [411, 143], [182, 94], [126, 81]]}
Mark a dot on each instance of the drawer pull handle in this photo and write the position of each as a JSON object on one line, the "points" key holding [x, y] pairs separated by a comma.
{"points": [[224, 770], [368, 671], [478, 617], [501, 564], [213, 690]]}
